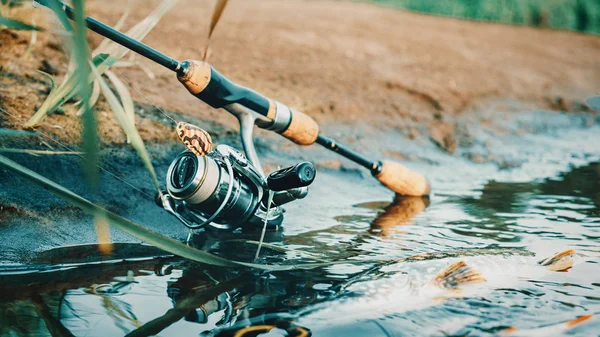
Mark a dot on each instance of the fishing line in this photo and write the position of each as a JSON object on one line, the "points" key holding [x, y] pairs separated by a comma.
{"points": [[64, 146], [264, 229], [145, 97]]}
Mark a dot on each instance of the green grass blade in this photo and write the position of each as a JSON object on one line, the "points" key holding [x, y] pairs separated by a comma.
{"points": [[56, 7], [11, 133], [90, 128], [14, 24], [93, 98], [160, 241], [50, 77], [37, 152]]}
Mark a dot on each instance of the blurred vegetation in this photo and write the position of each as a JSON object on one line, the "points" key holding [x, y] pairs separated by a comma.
{"points": [[579, 15]]}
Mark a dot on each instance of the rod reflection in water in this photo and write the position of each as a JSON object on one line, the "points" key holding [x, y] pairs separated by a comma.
{"points": [[400, 212]]}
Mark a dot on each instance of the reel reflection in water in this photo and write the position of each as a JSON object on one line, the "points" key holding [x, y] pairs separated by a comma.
{"points": [[224, 190]]}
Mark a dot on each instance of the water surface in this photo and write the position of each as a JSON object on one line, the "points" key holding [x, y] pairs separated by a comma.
{"points": [[502, 230]]}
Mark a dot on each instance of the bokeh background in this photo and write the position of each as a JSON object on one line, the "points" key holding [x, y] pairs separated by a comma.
{"points": [[579, 15]]}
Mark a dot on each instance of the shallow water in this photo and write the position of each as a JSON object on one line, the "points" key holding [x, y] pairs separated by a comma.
{"points": [[502, 230]]}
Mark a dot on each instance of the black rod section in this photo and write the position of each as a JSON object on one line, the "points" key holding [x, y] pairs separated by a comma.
{"points": [[121, 39], [374, 167]]}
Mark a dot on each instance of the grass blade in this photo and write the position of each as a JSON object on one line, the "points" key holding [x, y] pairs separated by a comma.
{"points": [[50, 77], [14, 24], [32, 41], [11, 133], [38, 152], [217, 12], [124, 95], [62, 17], [90, 128], [62, 93], [93, 98], [128, 126], [138, 32], [113, 51], [117, 26], [117, 221]]}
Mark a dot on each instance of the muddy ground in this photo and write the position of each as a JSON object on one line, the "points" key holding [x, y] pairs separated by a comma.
{"points": [[338, 61], [463, 102]]}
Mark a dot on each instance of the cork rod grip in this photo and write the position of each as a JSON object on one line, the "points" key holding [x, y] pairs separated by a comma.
{"points": [[196, 77], [303, 130], [402, 180]]}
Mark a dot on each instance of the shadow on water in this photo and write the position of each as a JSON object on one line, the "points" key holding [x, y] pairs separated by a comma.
{"points": [[140, 291]]}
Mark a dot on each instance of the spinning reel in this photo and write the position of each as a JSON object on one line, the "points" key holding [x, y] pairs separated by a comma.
{"points": [[225, 190]]}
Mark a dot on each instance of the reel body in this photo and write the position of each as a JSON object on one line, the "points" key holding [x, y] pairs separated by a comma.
{"points": [[225, 190]]}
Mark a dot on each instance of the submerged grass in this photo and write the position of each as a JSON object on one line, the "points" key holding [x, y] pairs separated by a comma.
{"points": [[15, 24]]}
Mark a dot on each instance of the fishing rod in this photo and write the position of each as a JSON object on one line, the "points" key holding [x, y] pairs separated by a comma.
{"points": [[251, 108]]}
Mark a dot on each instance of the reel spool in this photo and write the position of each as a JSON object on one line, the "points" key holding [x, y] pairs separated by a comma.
{"points": [[223, 189]]}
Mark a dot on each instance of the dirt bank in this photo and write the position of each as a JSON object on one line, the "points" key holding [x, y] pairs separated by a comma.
{"points": [[335, 60]]}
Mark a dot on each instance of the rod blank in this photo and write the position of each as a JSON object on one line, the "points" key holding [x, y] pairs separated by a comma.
{"points": [[122, 39], [330, 144]]}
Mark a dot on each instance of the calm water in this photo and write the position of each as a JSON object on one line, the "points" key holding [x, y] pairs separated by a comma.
{"points": [[502, 233]]}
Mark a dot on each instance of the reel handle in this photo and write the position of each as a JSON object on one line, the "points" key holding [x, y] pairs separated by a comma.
{"points": [[403, 180], [299, 175]]}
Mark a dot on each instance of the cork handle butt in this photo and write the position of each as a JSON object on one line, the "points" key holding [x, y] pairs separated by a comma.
{"points": [[303, 130], [402, 180], [195, 76]]}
